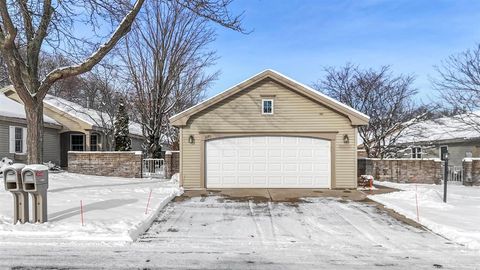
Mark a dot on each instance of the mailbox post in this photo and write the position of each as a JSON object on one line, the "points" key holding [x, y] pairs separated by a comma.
{"points": [[35, 182], [12, 177]]}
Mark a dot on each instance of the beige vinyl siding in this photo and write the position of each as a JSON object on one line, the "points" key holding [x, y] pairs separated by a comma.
{"points": [[292, 113]]}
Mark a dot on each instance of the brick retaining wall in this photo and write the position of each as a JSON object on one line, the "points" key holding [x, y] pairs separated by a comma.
{"points": [[427, 171], [471, 171], [121, 164], [172, 163]]}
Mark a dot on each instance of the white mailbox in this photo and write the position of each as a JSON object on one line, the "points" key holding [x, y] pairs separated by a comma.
{"points": [[12, 177], [35, 182]]}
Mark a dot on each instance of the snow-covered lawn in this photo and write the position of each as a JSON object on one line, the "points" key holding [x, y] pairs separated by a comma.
{"points": [[114, 209], [457, 220]]}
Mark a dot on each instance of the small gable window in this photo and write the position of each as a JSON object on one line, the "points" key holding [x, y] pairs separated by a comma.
{"points": [[267, 106]]}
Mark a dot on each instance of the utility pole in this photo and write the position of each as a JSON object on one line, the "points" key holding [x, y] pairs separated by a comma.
{"points": [[445, 178]]}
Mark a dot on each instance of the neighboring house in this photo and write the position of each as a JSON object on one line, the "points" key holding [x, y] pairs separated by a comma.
{"points": [[429, 139], [13, 133], [269, 132], [78, 128]]}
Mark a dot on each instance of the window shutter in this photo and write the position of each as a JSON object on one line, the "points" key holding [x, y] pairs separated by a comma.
{"points": [[24, 134], [11, 139]]}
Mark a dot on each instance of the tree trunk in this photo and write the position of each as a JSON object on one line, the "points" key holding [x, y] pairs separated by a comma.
{"points": [[153, 147], [34, 115]]}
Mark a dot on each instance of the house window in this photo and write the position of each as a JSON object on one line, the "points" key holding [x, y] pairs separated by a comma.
{"points": [[77, 142], [18, 140], [416, 152], [94, 142], [267, 106]]}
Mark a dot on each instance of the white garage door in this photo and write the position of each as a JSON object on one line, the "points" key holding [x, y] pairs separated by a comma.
{"points": [[268, 162]]}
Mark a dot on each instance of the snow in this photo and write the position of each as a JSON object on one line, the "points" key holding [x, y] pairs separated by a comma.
{"points": [[11, 108], [221, 233], [4, 163], [90, 116], [15, 166], [114, 209], [446, 128], [36, 167], [457, 220]]}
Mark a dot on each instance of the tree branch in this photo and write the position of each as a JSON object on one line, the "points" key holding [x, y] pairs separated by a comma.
{"points": [[95, 58]]}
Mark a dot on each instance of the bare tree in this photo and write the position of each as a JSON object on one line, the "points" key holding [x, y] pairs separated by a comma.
{"points": [[166, 59], [68, 88], [98, 94], [4, 81], [27, 26], [458, 83], [386, 98]]}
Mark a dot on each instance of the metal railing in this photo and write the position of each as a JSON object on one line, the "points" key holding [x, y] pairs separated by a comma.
{"points": [[455, 174], [153, 167]]}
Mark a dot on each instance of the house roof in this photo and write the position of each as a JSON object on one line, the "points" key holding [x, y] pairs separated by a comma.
{"points": [[356, 117], [90, 117], [12, 109], [442, 129]]}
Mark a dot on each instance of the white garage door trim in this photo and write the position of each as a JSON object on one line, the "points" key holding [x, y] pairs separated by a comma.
{"points": [[268, 162]]}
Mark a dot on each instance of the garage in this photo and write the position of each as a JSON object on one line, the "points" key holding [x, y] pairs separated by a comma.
{"points": [[268, 162], [268, 131]]}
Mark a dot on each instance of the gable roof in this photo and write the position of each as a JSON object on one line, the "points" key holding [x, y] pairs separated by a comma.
{"points": [[356, 118], [12, 109], [79, 114], [445, 129], [90, 116]]}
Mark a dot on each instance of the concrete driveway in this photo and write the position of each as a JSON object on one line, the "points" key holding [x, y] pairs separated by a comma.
{"points": [[310, 233], [261, 232]]}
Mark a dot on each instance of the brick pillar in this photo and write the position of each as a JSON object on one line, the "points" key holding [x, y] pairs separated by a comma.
{"points": [[467, 171], [168, 165], [438, 171]]}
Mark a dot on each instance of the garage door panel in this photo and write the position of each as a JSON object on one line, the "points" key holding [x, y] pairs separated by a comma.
{"points": [[244, 153], [259, 167], [275, 180], [268, 162], [260, 179], [244, 167]]}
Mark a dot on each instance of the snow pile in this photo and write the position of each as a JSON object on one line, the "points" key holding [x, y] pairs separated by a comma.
{"points": [[4, 163], [114, 209], [11, 108], [457, 220]]}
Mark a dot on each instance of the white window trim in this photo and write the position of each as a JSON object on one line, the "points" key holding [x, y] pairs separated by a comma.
{"points": [[71, 135], [440, 150], [273, 106], [416, 153], [97, 144], [12, 140]]}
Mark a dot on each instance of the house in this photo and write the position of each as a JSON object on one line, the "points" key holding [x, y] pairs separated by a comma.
{"points": [[68, 127], [13, 133], [429, 139], [269, 132]]}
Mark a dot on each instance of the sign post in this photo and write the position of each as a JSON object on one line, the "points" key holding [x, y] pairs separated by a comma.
{"points": [[445, 178]]}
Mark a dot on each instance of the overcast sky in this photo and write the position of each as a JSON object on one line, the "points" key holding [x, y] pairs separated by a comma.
{"points": [[299, 37]]}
